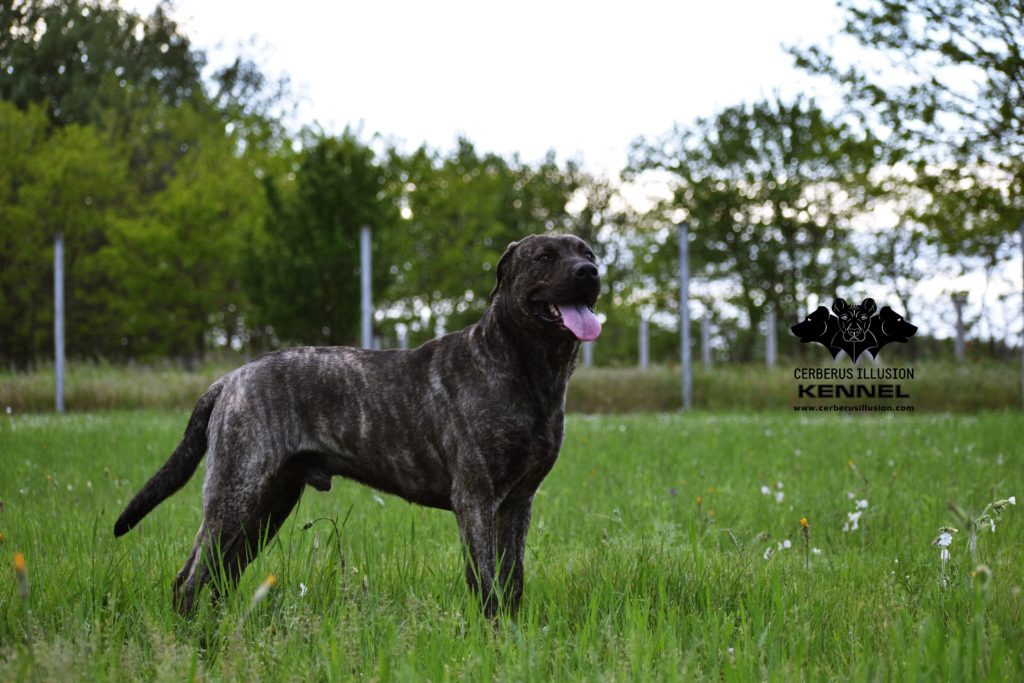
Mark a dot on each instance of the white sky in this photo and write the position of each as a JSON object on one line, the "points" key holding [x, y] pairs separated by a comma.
{"points": [[582, 78]]}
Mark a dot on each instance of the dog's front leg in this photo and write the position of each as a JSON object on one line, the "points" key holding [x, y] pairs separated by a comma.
{"points": [[475, 515], [513, 523]]}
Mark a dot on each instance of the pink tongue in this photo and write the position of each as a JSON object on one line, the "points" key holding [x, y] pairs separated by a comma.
{"points": [[581, 320]]}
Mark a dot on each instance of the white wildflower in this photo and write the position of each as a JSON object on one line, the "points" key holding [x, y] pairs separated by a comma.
{"points": [[852, 520], [862, 504], [765, 490], [779, 496], [769, 551], [816, 551], [850, 495], [1013, 500], [778, 485], [302, 590], [785, 545], [944, 539], [10, 410]]}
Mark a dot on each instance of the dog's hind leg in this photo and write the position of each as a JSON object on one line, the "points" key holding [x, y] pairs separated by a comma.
{"points": [[235, 522]]}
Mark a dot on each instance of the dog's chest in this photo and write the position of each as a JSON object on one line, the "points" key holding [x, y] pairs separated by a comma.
{"points": [[527, 454]]}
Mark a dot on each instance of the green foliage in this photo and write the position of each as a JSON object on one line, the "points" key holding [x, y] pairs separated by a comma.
{"points": [[769, 191], [76, 56], [628, 577], [461, 211], [303, 275], [69, 181], [951, 98]]}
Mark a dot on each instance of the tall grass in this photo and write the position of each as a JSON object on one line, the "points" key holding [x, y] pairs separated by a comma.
{"points": [[629, 577], [936, 387]]}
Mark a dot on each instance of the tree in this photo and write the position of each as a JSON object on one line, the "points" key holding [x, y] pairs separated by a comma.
{"points": [[460, 212], [769, 190], [78, 57], [69, 182], [303, 272], [951, 97]]}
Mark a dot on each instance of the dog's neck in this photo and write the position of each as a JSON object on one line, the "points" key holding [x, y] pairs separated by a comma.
{"points": [[543, 364]]}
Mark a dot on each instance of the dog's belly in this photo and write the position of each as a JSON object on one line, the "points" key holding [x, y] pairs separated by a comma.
{"points": [[416, 479]]}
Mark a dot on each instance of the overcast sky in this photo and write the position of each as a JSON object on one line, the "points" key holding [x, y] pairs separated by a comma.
{"points": [[583, 78]]}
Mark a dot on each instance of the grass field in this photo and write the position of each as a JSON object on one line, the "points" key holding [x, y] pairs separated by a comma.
{"points": [[648, 559]]}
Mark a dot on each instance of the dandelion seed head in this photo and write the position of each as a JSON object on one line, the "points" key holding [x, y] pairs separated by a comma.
{"points": [[1013, 500]]}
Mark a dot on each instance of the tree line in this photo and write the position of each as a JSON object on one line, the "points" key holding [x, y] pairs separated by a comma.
{"points": [[194, 219]]}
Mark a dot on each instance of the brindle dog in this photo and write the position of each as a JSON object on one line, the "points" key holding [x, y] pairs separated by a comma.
{"points": [[469, 422]]}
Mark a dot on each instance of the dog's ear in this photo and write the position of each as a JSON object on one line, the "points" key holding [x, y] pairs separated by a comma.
{"points": [[839, 305], [868, 306], [499, 271]]}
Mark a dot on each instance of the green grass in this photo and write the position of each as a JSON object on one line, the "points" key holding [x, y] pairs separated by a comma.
{"points": [[627, 577]]}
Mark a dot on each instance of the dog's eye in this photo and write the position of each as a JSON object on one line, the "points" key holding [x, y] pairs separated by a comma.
{"points": [[590, 255]]}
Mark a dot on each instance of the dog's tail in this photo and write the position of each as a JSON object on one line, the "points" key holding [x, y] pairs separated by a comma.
{"points": [[178, 469]]}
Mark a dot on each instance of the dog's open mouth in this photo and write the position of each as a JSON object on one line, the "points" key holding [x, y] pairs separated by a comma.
{"points": [[577, 317]]}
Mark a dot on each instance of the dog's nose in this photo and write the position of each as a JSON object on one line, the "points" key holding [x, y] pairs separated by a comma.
{"points": [[585, 271]]}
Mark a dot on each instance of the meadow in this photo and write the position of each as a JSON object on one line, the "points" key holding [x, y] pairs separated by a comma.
{"points": [[662, 547]]}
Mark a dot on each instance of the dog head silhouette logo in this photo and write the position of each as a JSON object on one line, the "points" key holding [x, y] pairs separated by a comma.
{"points": [[854, 329]]}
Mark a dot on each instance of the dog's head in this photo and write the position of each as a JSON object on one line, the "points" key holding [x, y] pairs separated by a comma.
{"points": [[854, 321], [814, 326], [893, 327], [548, 284]]}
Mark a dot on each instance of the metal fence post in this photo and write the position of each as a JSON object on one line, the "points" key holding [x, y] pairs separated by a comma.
{"points": [[365, 265], [959, 301], [684, 314], [705, 340], [645, 344], [58, 320]]}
